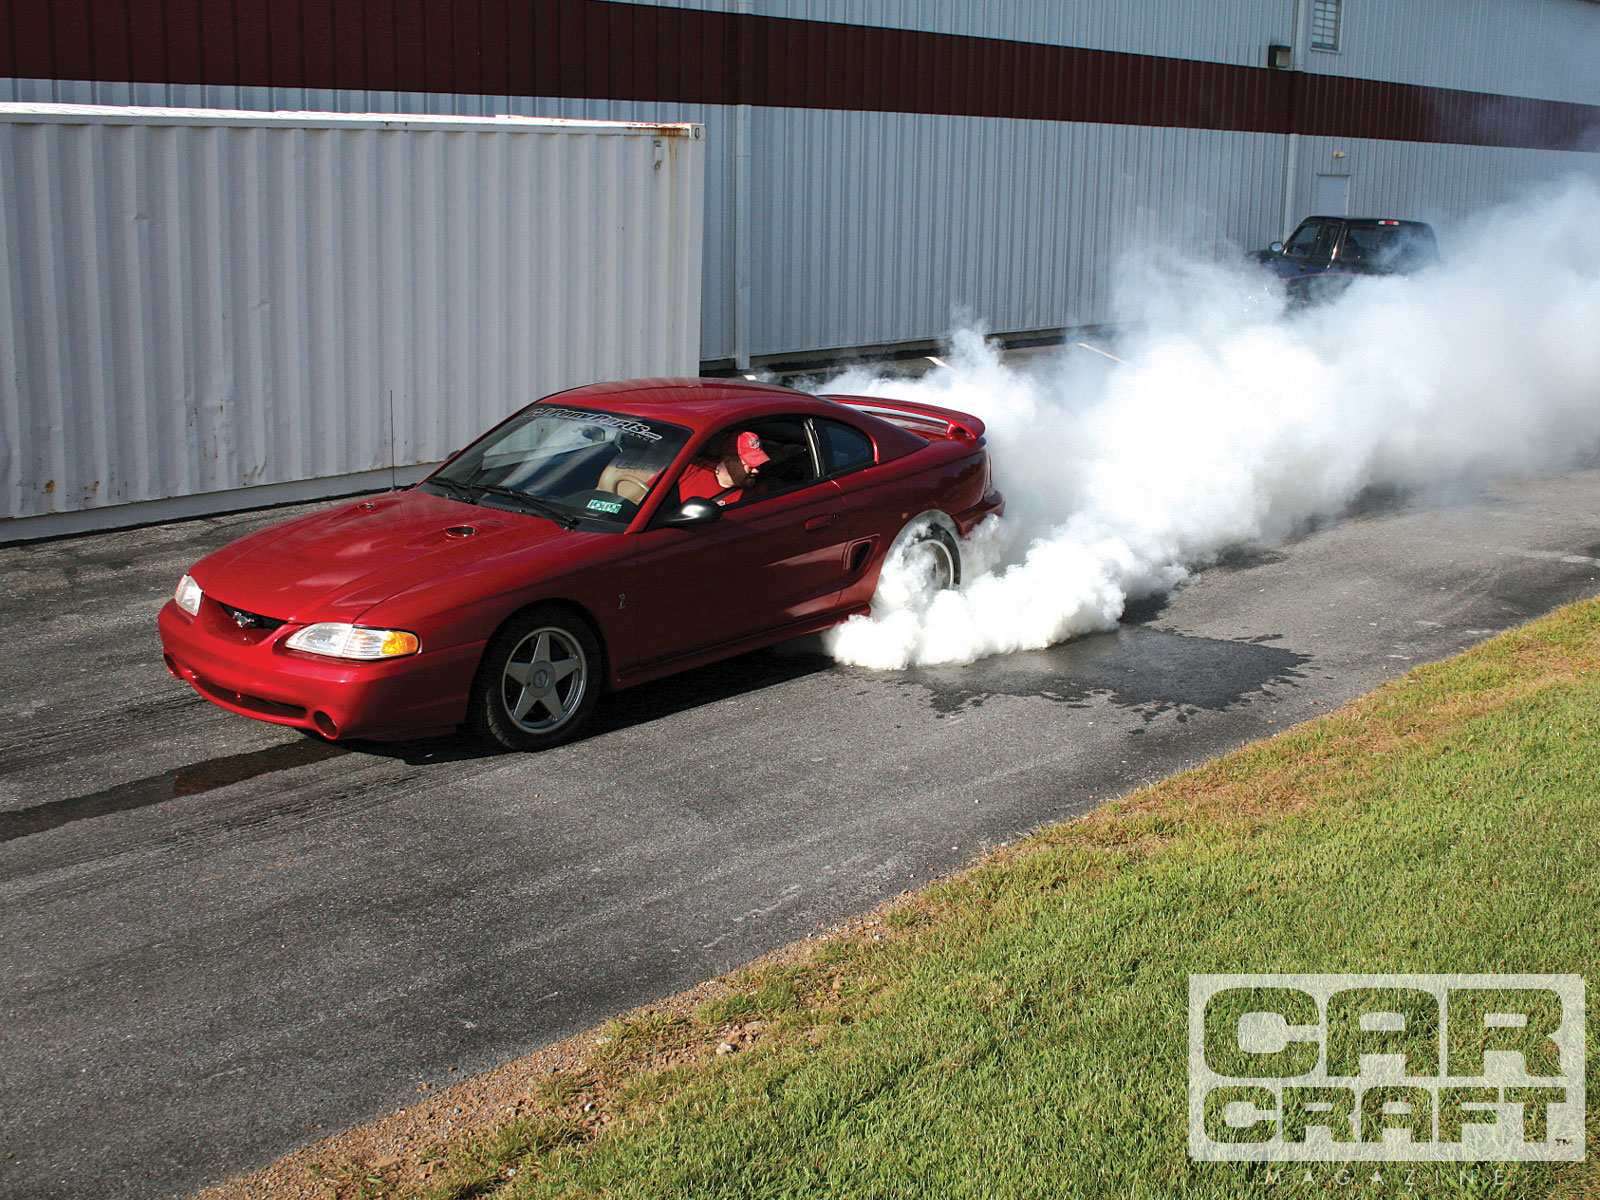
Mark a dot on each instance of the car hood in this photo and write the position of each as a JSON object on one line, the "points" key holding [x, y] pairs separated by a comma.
{"points": [[336, 564]]}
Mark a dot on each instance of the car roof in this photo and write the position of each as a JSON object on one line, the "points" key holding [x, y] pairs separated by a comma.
{"points": [[700, 404], [1371, 221]]}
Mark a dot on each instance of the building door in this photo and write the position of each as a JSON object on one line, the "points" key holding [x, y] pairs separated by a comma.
{"points": [[1333, 196]]}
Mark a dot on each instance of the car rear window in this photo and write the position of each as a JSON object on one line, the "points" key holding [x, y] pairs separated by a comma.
{"points": [[844, 447]]}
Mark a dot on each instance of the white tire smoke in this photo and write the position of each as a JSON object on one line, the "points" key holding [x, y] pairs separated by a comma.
{"points": [[1233, 422]]}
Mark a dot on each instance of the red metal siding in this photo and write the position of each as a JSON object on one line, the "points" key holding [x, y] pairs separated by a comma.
{"points": [[597, 49]]}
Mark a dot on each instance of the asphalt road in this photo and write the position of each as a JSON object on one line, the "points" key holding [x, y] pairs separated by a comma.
{"points": [[222, 939]]}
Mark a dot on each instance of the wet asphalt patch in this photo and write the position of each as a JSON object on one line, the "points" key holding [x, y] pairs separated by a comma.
{"points": [[1143, 670]]}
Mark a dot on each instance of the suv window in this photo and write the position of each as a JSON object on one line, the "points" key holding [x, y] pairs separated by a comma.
{"points": [[843, 447], [1389, 247], [1304, 240]]}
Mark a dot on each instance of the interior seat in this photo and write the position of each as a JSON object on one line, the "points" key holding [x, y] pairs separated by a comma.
{"points": [[630, 482]]}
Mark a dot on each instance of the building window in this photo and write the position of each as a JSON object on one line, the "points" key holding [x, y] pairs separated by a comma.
{"points": [[1325, 24]]}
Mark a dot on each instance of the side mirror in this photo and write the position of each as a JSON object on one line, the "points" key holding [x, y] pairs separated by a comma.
{"points": [[698, 511], [1277, 247]]}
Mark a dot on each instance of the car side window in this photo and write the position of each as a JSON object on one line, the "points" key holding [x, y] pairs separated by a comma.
{"points": [[790, 464], [1359, 245], [843, 447], [1304, 240]]}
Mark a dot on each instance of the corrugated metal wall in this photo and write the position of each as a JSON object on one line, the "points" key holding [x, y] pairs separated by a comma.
{"points": [[1441, 184], [1016, 223], [851, 225], [1545, 49], [192, 303], [1542, 48], [1235, 32]]}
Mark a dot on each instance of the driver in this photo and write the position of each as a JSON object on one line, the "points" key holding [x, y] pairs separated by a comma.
{"points": [[725, 479]]}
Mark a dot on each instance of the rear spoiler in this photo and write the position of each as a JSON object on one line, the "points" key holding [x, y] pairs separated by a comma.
{"points": [[959, 426]]}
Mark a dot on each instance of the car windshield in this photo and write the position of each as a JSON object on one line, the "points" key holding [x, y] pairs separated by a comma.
{"points": [[569, 464], [1390, 247]]}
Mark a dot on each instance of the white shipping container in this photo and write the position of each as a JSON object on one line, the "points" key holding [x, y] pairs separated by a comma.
{"points": [[203, 310]]}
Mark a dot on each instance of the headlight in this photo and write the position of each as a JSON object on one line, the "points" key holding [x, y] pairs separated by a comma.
{"points": [[187, 596], [337, 640]]}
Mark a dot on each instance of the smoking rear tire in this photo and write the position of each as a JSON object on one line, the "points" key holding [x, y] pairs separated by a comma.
{"points": [[935, 552], [538, 683]]}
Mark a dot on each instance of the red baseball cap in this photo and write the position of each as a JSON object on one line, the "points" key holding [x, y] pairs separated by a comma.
{"points": [[750, 452]]}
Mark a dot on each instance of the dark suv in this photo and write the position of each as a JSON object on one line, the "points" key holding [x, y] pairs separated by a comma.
{"points": [[1325, 253]]}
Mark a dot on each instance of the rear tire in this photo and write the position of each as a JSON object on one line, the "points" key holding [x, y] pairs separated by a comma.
{"points": [[539, 681], [934, 553]]}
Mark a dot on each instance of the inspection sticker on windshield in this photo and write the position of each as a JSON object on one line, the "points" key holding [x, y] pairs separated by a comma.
{"points": [[605, 506], [1386, 1068]]}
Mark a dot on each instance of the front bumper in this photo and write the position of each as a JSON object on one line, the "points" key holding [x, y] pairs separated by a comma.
{"points": [[249, 672]]}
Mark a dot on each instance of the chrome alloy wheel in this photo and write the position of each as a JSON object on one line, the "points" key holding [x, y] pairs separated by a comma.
{"points": [[932, 557], [544, 680]]}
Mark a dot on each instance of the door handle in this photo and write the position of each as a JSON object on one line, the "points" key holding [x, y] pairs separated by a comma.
{"points": [[815, 524]]}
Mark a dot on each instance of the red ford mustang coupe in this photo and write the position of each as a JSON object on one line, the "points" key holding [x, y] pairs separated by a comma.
{"points": [[601, 537]]}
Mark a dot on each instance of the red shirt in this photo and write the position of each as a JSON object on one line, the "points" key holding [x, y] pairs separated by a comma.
{"points": [[698, 479]]}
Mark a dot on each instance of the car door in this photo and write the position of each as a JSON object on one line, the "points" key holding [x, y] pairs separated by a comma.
{"points": [[1308, 254], [1301, 248], [847, 455], [1327, 253], [774, 559]]}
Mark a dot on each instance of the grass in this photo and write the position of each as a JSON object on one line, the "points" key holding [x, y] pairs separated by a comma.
{"points": [[1020, 1030]]}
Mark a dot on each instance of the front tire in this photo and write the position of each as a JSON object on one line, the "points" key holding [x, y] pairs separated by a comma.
{"points": [[538, 683]]}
